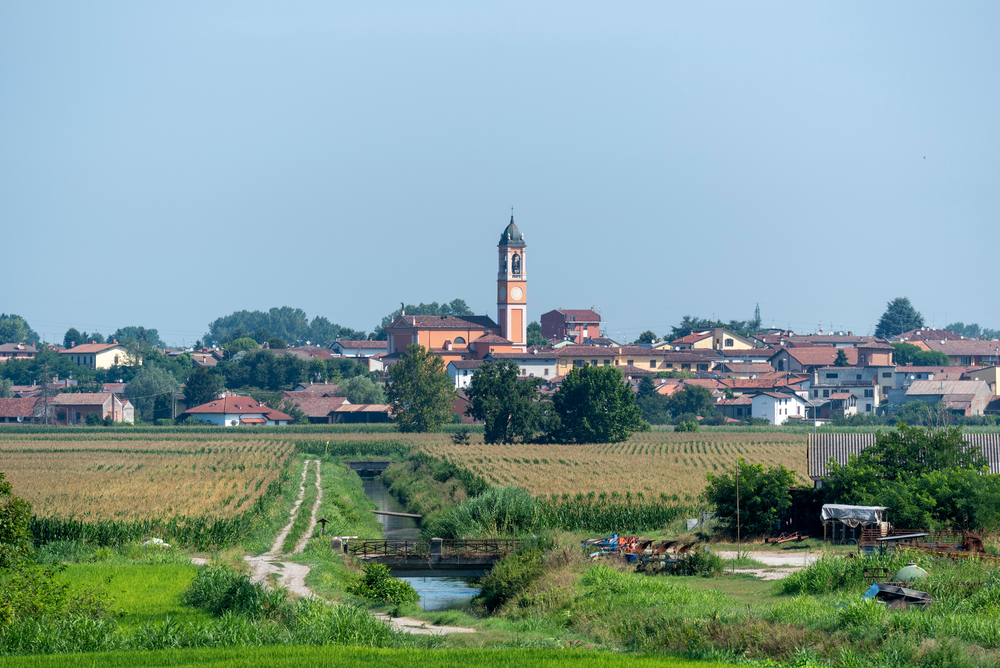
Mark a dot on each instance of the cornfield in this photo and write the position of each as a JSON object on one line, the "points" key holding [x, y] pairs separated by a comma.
{"points": [[653, 464], [111, 478]]}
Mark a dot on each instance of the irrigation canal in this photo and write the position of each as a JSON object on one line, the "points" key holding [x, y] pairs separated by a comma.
{"points": [[436, 592]]}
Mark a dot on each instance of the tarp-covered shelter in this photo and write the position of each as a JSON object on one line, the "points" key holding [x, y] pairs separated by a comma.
{"points": [[851, 520]]}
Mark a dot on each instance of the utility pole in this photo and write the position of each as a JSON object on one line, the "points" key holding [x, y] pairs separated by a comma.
{"points": [[739, 542]]}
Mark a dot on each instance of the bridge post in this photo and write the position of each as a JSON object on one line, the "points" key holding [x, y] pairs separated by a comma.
{"points": [[436, 548]]}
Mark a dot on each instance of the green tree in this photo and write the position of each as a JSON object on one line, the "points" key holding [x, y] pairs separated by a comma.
{"points": [[420, 391], [240, 345], [535, 337], [503, 400], [201, 387], [764, 494], [14, 329], [841, 358], [151, 337], [647, 337], [596, 406], [72, 337], [693, 399], [274, 343], [655, 407], [899, 317], [930, 358], [15, 522], [292, 410], [5, 389], [363, 390], [904, 352], [152, 387]]}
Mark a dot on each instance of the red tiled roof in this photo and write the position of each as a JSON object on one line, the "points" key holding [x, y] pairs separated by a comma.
{"points": [[492, 338], [14, 348], [841, 395], [968, 347], [579, 315], [929, 335], [91, 348], [11, 408], [740, 367], [232, 405], [632, 370], [315, 406], [81, 399], [820, 355], [693, 337], [361, 344]]}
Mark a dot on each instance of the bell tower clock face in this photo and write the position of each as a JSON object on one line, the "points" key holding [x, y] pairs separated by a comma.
{"points": [[516, 293]]}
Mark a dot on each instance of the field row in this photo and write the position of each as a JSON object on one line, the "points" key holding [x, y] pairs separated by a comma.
{"points": [[98, 483]]}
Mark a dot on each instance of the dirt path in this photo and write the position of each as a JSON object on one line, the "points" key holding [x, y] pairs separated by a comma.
{"points": [[292, 576], [778, 566]]}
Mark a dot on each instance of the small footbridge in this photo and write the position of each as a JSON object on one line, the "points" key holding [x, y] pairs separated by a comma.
{"points": [[436, 556]]}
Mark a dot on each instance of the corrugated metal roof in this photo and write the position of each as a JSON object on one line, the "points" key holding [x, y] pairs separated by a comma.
{"points": [[839, 447]]}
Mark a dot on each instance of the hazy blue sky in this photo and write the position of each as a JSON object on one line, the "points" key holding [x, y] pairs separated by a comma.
{"points": [[162, 165]]}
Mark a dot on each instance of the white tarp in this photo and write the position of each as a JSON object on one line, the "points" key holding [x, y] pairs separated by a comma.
{"points": [[853, 516]]}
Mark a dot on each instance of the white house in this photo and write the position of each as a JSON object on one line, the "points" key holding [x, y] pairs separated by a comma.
{"points": [[777, 407], [359, 348], [536, 363], [230, 411], [461, 371]]}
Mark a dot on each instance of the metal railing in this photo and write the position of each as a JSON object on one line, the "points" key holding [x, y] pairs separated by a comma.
{"points": [[434, 547]]}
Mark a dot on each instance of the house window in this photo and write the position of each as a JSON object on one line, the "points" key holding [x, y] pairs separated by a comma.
{"points": [[832, 375], [459, 339], [60, 416], [739, 411], [781, 365], [868, 408], [545, 373], [967, 361], [652, 364], [593, 362], [577, 363], [729, 343], [886, 374], [869, 394], [607, 362], [815, 393], [465, 372], [858, 377], [826, 393], [631, 362], [685, 367], [702, 367]]}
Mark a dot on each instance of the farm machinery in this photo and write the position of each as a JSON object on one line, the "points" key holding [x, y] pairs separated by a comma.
{"points": [[647, 555]]}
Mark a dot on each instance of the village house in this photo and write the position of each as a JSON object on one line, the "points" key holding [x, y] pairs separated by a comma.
{"points": [[18, 411], [73, 408], [965, 352], [963, 397], [98, 355], [17, 351], [576, 325], [359, 348], [988, 374], [717, 338], [233, 411], [776, 407], [461, 371], [536, 362], [862, 382]]}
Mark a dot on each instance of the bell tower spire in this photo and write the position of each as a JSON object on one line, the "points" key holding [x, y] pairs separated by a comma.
{"points": [[512, 286]]}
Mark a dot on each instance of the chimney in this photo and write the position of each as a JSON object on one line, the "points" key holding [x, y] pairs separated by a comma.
{"points": [[72, 344]]}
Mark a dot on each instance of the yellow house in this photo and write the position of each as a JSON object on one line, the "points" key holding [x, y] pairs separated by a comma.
{"points": [[99, 355], [655, 360], [717, 338]]}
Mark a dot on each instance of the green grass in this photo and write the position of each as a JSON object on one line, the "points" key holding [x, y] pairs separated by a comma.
{"points": [[301, 657], [142, 592]]}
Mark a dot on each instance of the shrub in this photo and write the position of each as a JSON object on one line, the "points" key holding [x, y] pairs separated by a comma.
{"points": [[378, 585], [687, 426], [510, 576], [221, 589], [701, 564], [498, 512]]}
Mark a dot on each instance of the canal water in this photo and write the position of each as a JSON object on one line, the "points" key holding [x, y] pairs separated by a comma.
{"points": [[436, 593]]}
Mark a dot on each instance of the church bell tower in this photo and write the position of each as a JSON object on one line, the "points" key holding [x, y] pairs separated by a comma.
{"points": [[512, 287]]}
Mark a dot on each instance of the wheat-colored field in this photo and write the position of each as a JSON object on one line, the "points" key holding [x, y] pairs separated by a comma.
{"points": [[125, 479], [654, 462]]}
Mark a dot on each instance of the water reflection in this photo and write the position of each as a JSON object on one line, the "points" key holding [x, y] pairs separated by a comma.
{"points": [[436, 593]]}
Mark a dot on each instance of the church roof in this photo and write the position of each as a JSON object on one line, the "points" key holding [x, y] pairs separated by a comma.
{"points": [[451, 322], [511, 235]]}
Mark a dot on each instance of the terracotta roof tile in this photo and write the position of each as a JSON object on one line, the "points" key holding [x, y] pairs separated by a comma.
{"points": [[12, 408]]}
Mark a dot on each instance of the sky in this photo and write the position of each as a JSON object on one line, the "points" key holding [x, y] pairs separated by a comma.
{"points": [[165, 164]]}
